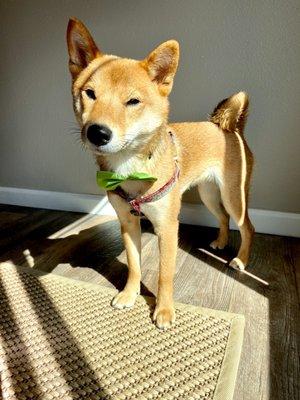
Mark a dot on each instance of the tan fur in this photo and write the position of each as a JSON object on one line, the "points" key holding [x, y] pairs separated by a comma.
{"points": [[231, 114], [212, 155]]}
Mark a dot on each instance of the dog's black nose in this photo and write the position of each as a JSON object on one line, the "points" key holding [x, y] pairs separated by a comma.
{"points": [[99, 135]]}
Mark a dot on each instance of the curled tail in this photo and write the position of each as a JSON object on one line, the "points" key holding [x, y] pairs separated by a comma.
{"points": [[231, 113]]}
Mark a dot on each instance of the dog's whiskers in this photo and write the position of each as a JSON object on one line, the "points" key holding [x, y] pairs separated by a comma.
{"points": [[75, 131]]}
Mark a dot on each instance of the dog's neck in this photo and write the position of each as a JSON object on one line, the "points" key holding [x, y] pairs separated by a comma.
{"points": [[142, 159]]}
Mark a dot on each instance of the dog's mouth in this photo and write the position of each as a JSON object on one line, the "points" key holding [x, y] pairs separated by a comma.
{"points": [[110, 148], [104, 150], [104, 142], [113, 146]]}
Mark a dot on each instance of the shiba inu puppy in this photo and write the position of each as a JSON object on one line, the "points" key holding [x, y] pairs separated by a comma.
{"points": [[122, 108]]}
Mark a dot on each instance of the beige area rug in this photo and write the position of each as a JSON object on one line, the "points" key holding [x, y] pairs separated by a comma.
{"points": [[61, 339]]}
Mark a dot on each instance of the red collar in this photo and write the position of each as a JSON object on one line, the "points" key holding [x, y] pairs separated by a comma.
{"points": [[136, 203]]}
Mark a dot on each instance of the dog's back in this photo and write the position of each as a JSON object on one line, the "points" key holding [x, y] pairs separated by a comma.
{"points": [[216, 145]]}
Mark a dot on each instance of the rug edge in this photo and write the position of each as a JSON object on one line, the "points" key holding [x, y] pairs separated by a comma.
{"points": [[229, 369], [149, 300]]}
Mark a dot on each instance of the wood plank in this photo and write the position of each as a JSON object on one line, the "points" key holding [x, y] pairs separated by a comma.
{"points": [[270, 354], [207, 281], [284, 323], [250, 298], [7, 218], [31, 232], [39, 220]]}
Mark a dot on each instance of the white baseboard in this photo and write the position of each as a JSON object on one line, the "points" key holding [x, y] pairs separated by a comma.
{"points": [[265, 221]]}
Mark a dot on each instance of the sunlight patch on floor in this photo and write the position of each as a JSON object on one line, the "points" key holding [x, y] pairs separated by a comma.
{"points": [[96, 216], [213, 255], [245, 272], [28, 257]]}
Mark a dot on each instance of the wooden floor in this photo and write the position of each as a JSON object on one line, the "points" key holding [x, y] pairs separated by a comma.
{"points": [[89, 248]]}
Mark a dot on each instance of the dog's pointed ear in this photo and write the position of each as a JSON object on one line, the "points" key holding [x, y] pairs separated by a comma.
{"points": [[161, 65], [81, 46]]}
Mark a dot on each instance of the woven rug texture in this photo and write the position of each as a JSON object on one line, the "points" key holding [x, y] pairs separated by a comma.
{"points": [[61, 339]]}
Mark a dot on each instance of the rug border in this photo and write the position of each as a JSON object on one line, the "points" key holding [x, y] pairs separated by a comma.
{"points": [[148, 299], [228, 374]]}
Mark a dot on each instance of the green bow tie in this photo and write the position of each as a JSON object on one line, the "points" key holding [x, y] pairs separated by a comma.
{"points": [[109, 180]]}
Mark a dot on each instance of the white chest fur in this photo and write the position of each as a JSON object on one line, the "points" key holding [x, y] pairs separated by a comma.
{"points": [[125, 164]]}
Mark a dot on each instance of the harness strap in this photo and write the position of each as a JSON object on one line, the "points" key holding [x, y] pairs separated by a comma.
{"points": [[158, 194]]}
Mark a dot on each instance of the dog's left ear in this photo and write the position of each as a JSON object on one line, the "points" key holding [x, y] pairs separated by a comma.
{"points": [[161, 65], [81, 46]]}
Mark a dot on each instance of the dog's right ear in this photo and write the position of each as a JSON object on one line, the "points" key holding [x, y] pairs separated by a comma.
{"points": [[161, 65], [81, 46]]}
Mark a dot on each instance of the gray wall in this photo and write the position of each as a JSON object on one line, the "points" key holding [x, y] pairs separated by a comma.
{"points": [[226, 46]]}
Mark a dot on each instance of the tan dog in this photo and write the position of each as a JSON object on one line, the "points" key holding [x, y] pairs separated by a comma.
{"points": [[122, 108]]}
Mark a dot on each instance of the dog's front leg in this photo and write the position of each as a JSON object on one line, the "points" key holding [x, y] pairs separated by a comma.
{"points": [[131, 234], [164, 314]]}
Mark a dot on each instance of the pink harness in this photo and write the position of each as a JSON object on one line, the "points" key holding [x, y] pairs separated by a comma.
{"points": [[136, 203]]}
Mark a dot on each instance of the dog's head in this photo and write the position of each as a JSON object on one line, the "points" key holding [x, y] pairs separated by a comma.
{"points": [[118, 102]]}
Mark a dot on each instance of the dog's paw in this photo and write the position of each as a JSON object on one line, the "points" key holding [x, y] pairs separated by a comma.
{"points": [[124, 299], [238, 264], [164, 318], [218, 244]]}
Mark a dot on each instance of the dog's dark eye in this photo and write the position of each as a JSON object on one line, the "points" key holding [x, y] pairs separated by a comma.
{"points": [[132, 102], [91, 94]]}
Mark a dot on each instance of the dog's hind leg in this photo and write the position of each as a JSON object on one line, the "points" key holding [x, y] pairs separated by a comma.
{"points": [[235, 202], [211, 197], [131, 234], [231, 115]]}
